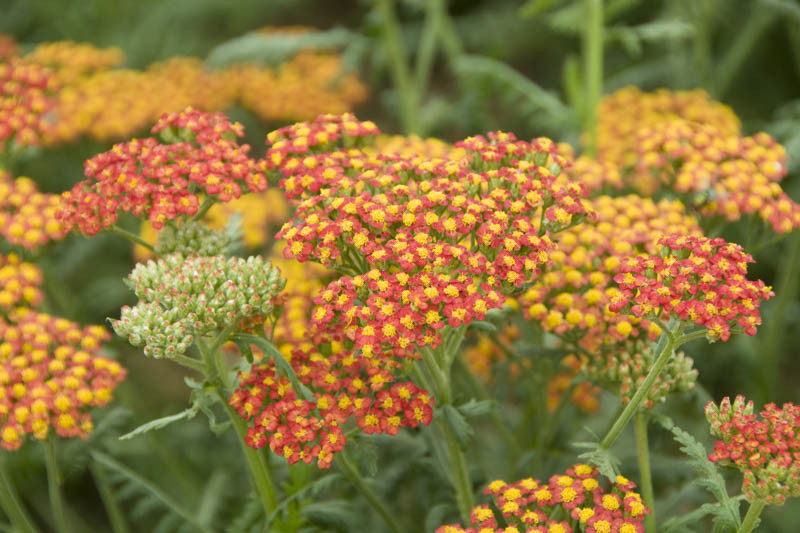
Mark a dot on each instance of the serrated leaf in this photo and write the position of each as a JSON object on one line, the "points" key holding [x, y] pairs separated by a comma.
{"points": [[282, 366], [275, 48], [606, 463], [483, 325], [159, 423], [456, 421], [476, 408], [333, 513]]}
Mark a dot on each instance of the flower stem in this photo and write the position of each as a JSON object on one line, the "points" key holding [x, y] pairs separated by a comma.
{"points": [[131, 237], [54, 485], [110, 502], [349, 469], [593, 68], [12, 504], [750, 518], [664, 349], [643, 453]]}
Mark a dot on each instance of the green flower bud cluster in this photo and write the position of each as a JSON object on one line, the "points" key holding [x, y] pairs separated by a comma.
{"points": [[181, 298], [624, 372], [192, 238]]}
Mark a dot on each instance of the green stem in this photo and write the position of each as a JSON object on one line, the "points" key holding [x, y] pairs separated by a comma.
{"points": [[395, 47], [11, 502], [110, 502], [207, 203], [750, 518], [664, 349], [131, 237], [746, 38], [349, 469], [431, 30], [190, 362], [54, 485], [593, 68], [643, 453]]}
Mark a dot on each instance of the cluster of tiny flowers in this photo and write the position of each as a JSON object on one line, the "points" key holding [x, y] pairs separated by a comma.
{"points": [[51, 376], [622, 114], [19, 283], [484, 355], [595, 174], [343, 385], [25, 98], [625, 370], [571, 297], [765, 449], [425, 243], [181, 298], [70, 61], [261, 215], [301, 88], [164, 181], [28, 218], [578, 498], [696, 279], [412, 145], [191, 238]]}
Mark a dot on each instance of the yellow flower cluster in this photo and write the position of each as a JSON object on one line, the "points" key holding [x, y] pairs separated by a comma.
{"points": [[71, 61], [19, 283], [261, 214], [27, 216], [412, 145], [308, 85]]}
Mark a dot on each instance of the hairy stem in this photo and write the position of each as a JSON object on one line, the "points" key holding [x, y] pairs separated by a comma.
{"points": [[751, 517], [131, 237], [643, 454], [11, 502], [349, 469], [54, 485]]}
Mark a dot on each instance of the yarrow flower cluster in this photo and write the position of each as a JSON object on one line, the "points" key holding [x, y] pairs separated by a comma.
{"points": [[70, 61], [765, 449], [577, 498], [51, 375], [181, 298], [25, 98], [412, 145], [696, 279], [342, 385], [164, 181], [27, 216], [20, 283]]}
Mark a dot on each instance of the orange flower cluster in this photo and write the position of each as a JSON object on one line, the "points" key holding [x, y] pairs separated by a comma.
{"points": [[8, 47], [578, 497], [70, 61], [307, 85], [51, 376], [25, 98], [19, 283], [340, 384], [27, 216]]}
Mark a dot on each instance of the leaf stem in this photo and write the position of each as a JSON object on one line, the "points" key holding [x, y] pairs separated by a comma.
{"points": [[349, 469], [131, 237], [643, 454], [749, 522], [664, 349], [54, 485], [12, 504]]}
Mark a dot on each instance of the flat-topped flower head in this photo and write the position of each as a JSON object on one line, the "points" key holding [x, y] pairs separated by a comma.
{"points": [[70, 61], [696, 279], [28, 218], [765, 448], [20, 283], [162, 182], [183, 297], [26, 96], [51, 375], [588, 500]]}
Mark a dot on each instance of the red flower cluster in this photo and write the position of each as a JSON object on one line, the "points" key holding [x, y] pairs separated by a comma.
{"points": [[25, 97], [164, 181], [51, 374], [27, 216], [697, 279], [343, 385], [578, 494], [19, 283], [765, 450]]}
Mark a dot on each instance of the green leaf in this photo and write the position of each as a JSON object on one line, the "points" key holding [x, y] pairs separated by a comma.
{"points": [[476, 408], [436, 516], [461, 428], [159, 423], [282, 366], [274, 48], [535, 7], [606, 463], [571, 79], [483, 325], [336, 514], [726, 513]]}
